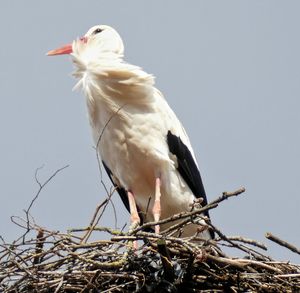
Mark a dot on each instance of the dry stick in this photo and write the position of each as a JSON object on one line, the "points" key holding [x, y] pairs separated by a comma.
{"points": [[236, 245], [183, 215], [23, 226], [103, 210], [17, 255], [59, 285], [226, 261], [248, 241], [191, 247], [259, 264], [102, 229], [117, 286], [282, 242], [175, 227], [41, 186], [257, 254], [95, 220], [226, 194], [99, 160], [288, 276], [98, 264], [179, 216], [89, 283], [92, 222], [97, 244], [21, 268]]}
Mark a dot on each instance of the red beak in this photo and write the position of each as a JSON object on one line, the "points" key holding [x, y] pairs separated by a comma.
{"points": [[67, 49]]}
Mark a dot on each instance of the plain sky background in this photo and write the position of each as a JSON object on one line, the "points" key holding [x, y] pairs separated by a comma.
{"points": [[229, 69]]}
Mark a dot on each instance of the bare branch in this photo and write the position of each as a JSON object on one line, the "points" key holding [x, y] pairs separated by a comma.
{"points": [[282, 242], [63, 262], [41, 186]]}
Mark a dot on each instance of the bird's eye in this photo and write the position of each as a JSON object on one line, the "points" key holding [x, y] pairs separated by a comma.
{"points": [[97, 31]]}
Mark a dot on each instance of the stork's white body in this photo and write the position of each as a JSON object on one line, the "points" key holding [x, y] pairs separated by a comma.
{"points": [[130, 120]]}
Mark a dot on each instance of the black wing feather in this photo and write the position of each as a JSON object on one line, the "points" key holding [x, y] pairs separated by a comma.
{"points": [[187, 167], [122, 192]]}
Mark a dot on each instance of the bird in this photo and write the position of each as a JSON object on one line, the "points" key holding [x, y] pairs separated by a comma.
{"points": [[143, 146]]}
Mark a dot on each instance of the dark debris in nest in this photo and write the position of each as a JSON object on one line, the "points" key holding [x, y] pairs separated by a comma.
{"points": [[46, 261]]}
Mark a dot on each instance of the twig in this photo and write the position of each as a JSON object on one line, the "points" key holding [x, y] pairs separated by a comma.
{"points": [[227, 194], [93, 222], [176, 217], [109, 194], [248, 241], [282, 242], [41, 186]]}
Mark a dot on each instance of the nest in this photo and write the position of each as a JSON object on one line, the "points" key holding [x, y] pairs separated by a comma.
{"points": [[49, 261]]}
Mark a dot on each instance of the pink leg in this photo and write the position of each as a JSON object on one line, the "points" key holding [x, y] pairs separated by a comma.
{"points": [[156, 210], [134, 216]]}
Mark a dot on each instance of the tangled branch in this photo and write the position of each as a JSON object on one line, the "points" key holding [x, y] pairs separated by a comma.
{"points": [[68, 262]]}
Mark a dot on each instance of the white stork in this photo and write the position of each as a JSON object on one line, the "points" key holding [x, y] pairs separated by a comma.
{"points": [[143, 146]]}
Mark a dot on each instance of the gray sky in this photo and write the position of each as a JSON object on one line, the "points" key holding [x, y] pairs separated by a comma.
{"points": [[229, 69]]}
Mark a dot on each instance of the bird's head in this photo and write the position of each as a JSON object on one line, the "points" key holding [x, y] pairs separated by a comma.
{"points": [[100, 41]]}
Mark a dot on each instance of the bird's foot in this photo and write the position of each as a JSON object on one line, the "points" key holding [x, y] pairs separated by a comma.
{"points": [[200, 256], [196, 204]]}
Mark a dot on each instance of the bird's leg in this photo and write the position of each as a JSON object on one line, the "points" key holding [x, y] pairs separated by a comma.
{"points": [[134, 216], [156, 210]]}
